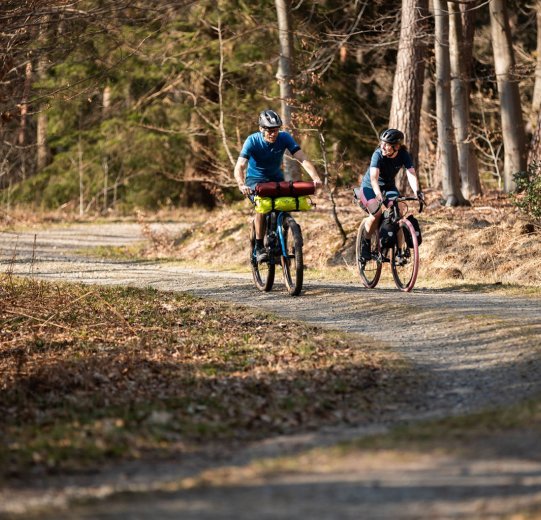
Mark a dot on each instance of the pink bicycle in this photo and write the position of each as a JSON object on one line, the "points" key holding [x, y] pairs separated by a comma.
{"points": [[396, 242]]}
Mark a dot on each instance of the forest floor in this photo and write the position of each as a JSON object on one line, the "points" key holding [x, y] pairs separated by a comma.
{"points": [[448, 427]]}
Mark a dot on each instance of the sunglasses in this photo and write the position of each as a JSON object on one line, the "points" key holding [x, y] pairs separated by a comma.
{"points": [[271, 130]]}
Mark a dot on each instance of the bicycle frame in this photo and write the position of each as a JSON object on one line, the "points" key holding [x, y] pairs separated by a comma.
{"points": [[275, 224], [283, 240], [284, 244], [404, 255]]}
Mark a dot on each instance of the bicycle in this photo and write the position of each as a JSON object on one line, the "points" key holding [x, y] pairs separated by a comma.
{"points": [[404, 249], [283, 241]]}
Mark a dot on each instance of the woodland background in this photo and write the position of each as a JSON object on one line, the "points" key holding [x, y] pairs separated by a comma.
{"points": [[117, 105]]}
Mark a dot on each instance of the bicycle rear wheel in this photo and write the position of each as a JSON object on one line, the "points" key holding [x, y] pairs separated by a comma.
{"points": [[370, 270], [292, 264], [263, 273], [405, 260]]}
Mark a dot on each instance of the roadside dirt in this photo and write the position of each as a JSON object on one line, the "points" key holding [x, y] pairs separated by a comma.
{"points": [[473, 350]]}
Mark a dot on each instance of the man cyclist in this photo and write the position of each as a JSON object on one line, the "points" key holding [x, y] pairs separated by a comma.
{"points": [[260, 160], [387, 160]]}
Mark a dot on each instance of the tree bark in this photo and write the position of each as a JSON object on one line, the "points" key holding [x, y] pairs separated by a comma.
{"points": [[535, 145], [460, 45], [427, 143], [24, 103], [285, 78], [446, 137], [534, 153], [42, 150], [536, 101], [409, 76], [514, 137]]}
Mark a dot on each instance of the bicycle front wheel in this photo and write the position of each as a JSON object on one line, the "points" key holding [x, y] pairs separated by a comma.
{"points": [[405, 259], [369, 269], [292, 263], [262, 273]]}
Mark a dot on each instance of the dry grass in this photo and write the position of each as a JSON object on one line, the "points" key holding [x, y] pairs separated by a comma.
{"points": [[487, 243], [94, 375]]}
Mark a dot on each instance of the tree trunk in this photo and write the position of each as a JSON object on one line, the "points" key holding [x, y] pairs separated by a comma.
{"points": [[408, 80], [42, 151], [536, 101], [446, 137], [460, 58], [514, 138], [285, 78], [24, 103], [106, 102], [427, 144], [535, 145], [534, 153]]}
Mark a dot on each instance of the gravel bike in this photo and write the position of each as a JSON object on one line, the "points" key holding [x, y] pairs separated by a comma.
{"points": [[283, 241], [402, 252]]}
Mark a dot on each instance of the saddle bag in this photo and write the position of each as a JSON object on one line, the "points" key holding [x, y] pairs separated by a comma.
{"points": [[387, 233], [417, 228], [267, 204], [285, 189]]}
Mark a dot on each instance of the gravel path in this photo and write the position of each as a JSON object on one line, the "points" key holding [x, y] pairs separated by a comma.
{"points": [[475, 350]]}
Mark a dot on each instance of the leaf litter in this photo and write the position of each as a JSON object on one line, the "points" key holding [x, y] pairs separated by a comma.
{"points": [[93, 377]]}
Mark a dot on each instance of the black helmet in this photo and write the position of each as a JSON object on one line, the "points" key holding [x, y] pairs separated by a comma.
{"points": [[269, 119], [392, 136]]}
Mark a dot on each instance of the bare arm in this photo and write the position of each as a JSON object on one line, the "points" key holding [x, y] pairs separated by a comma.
{"points": [[374, 176], [412, 179], [308, 166], [240, 175]]}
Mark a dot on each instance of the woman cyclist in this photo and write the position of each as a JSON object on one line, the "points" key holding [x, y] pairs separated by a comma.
{"points": [[378, 183]]}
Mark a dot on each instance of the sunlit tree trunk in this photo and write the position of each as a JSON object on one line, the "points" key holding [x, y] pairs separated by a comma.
{"points": [[427, 143], [446, 137], [408, 80], [24, 103], [536, 101], [535, 145], [285, 77], [460, 45], [106, 102], [535, 117], [22, 138], [514, 138], [42, 152]]}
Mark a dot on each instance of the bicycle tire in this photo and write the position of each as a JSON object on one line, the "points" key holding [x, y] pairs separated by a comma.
{"points": [[262, 273], [405, 271], [369, 270], [292, 264]]}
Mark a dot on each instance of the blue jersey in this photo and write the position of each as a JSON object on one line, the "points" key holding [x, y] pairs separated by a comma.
{"points": [[265, 159], [388, 168]]}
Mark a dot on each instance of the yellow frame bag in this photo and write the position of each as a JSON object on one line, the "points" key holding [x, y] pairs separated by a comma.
{"points": [[267, 204]]}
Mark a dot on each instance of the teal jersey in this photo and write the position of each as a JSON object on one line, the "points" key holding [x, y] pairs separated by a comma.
{"points": [[265, 159]]}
